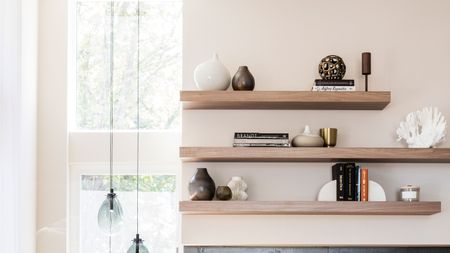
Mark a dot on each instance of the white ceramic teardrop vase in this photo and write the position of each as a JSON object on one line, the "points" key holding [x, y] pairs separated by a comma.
{"points": [[212, 75]]}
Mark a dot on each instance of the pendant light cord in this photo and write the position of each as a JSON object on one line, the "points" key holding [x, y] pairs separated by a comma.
{"points": [[111, 98], [111, 112], [138, 126]]}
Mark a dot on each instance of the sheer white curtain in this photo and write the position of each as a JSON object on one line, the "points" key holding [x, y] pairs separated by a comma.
{"points": [[18, 83]]}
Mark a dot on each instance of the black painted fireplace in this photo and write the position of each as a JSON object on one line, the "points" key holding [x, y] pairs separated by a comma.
{"points": [[317, 250]]}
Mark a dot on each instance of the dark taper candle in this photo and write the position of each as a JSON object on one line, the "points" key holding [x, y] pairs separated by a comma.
{"points": [[366, 67], [366, 63]]}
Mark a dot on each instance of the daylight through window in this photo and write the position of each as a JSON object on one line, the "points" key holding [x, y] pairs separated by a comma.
{"points": [[160, 64]]}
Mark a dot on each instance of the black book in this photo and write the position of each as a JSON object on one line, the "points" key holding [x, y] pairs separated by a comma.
{"points": [[334, 169], [344, 82], [244, 135], [350, 184], [356, 179], [338, 169]]}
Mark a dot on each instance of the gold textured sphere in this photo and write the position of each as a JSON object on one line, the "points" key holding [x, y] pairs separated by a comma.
{"points": [[332, 67]]}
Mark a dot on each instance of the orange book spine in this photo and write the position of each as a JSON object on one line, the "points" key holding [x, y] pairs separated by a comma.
{"points": [[364, 184]]}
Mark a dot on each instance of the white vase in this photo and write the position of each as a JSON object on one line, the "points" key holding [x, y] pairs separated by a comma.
{"points": [[212, 75], [307, 139], [238, 188]]}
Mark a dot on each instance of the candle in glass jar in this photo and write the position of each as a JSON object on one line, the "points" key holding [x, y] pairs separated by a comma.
{"points": [[409, 193]]}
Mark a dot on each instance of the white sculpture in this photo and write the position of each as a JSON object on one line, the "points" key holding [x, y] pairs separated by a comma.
{"points": [[423, 129], [238, 188]]}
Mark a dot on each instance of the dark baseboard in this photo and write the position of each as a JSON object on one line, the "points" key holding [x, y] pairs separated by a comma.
{"points": [[317, 250]]}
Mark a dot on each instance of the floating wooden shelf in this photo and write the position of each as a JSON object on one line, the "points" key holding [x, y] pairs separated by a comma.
{"points": [[295, 100], [308, 208], [243, 154]]}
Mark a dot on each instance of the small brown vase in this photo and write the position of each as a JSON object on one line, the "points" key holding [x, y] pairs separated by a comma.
{"points": [[202, 186], [243, 79], [223, 193]]}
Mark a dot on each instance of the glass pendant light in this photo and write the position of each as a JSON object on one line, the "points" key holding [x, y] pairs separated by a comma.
{"points": [[110, 214], [138, 244]]}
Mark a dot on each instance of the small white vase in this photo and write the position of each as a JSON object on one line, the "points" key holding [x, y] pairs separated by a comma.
{"points": [[307, 139], [212, 75], [238, 188]]}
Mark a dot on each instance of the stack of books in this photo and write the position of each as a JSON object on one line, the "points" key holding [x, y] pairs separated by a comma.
{"points": [[334, 85], [261, 140], [352, 182]]}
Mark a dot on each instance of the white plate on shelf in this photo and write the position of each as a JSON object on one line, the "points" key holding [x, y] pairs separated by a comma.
{"points": [[328, 192]]}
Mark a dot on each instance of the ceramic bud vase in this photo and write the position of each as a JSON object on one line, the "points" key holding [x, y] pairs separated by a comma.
{"points": [[307, 139], [238, 188], [212, 75], [202, 186], [243, 79], [223, 193]]}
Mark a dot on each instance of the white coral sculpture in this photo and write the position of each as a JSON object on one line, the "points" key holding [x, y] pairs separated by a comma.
{"points": [[238, 188], [423, 129]]}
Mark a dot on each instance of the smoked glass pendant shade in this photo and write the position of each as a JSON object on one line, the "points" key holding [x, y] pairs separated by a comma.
{"points": [[138, 246], [110, 214]]}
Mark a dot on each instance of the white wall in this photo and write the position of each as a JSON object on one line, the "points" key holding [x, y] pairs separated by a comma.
{"points": [[52, 126], [282, 42]]}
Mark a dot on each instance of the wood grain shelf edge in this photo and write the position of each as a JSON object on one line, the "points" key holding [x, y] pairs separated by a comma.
{"points": [[287, 100], [242, 154], [308, 208]]}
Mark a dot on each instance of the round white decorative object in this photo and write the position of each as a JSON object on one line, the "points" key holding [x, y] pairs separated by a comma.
{"points": [[212, 75], [328, 192], [238, 188], [307, 139], [423, 129]]}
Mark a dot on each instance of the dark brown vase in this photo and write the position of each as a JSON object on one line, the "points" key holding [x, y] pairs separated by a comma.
{"points": [[223, 193], [202, 186], [243, 79]]}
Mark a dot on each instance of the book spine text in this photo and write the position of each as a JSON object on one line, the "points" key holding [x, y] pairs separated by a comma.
{"points": [[364, 184]]}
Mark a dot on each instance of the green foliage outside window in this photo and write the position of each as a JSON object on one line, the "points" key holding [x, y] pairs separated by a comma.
{"points": [[162, 183], [159, 64]]}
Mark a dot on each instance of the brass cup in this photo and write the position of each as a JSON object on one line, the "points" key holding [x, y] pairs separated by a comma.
{"points": [[329, 136]]}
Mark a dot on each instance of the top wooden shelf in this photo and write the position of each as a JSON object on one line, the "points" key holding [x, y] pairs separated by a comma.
{"points": [[285, 100]]}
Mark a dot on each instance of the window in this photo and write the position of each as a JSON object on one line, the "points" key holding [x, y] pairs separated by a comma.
{"points": [[160, 80], [157, 201], [159, 64], [158, 205]]}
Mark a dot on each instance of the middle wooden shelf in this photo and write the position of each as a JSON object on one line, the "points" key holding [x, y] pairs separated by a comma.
{"points": [[253, 154]]}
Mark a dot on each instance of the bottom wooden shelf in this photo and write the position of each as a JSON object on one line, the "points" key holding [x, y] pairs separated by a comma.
{"points": [[308, 208]]}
